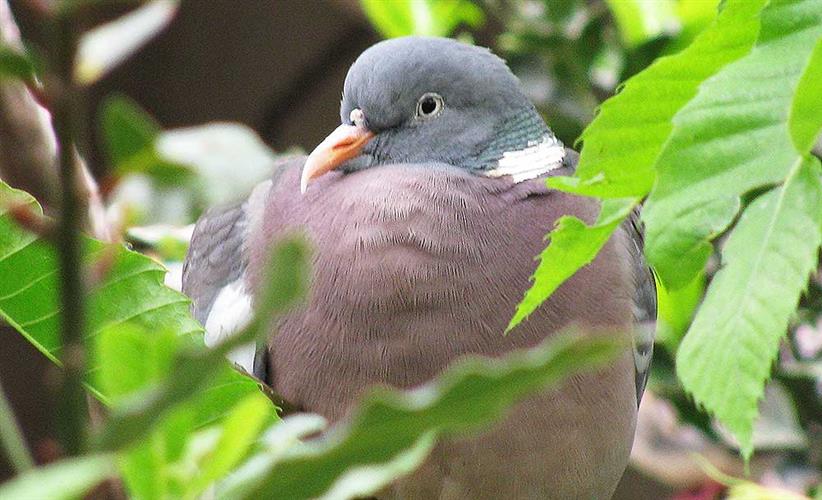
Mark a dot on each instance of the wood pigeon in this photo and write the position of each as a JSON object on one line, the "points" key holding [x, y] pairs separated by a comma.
{"points": [[426, 208]]}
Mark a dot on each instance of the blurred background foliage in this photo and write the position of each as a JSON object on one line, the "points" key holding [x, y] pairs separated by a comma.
{"points": [[159, 171]]}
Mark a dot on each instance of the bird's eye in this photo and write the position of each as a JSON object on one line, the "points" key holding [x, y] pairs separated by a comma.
{"points": [[429, 105]]}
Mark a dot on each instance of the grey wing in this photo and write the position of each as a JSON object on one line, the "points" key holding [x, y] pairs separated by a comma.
{"points": [[215, 257], [213, 277], [644, 303], [644, 300]]}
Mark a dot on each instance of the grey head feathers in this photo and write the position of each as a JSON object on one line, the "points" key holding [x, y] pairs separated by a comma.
{"points": [[483, 112]]}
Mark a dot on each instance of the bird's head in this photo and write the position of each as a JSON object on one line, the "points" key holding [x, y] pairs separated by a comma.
{"points": [[425, 100]]}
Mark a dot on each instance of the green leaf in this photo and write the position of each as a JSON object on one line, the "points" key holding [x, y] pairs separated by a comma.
{"points": [[736, 333], [14, 64], [573, 245], [104, 47], [278, 441], [804, 119], [734, 137], [217, 162], [642, 20], [195, 370], [67, 479], [132, 359], [238, 432], [623, 143], [468, 396], [360, 482], [676, 310], [146, 468], [130, 136], [421, 17], [130, 288], [129, 359], [159, 463], [125, 308]]}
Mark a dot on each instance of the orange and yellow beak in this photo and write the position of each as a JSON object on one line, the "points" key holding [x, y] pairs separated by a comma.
{"points": [[344, 143]]}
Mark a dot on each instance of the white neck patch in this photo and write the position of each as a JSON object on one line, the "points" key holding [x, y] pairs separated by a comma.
{"points": [[536, 159]]}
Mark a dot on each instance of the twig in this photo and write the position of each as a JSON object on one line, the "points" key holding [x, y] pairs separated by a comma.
{"points": [[12, 438], [95, 208], [72, 417], [27, 153]]}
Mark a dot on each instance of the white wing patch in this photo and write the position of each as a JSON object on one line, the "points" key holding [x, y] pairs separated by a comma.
{"points": [[231, 313], [529, 163]]}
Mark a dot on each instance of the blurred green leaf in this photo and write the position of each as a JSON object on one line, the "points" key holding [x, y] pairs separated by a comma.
{"points": [[195, 370], [159, 464], [67, 479], [360, 482], [104, 47], [742, 137], [395, 18], [127, 129], [389, 423], [643, 20], [169, 242], [238, 432], [217, 163], [14, 64], [573, 245], [131, 360], [694, 15], [766, 264], [130, 136], [286, 280], [747, 490], [392, 19], [228, 158]]}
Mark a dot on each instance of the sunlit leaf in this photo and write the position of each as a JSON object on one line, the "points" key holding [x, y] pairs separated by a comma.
{"points": [[622, 145], [694, 15], [421, 17], [732, 138], [127, 359], [676, 310], [642, 20], [238, 432], [735, 335], [573, 245]]}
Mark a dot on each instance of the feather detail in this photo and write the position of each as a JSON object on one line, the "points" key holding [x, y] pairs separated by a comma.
{"points": [[531, 162], [229, 315]]}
